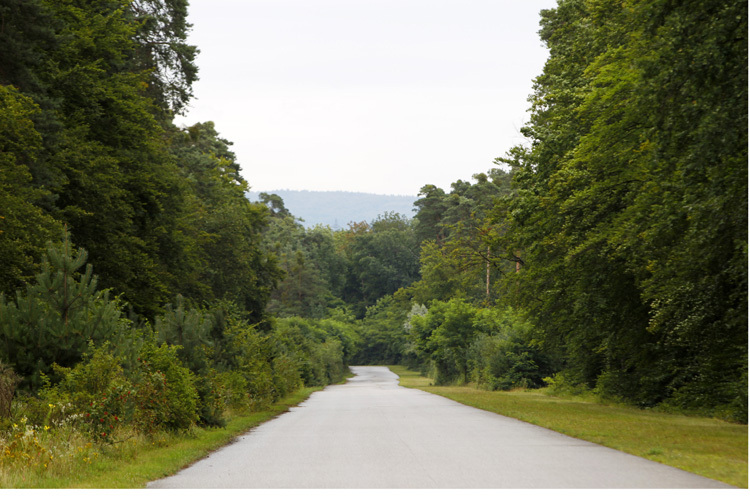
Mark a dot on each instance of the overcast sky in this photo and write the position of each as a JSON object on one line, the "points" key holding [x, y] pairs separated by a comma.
{"points": [[377, 96]]}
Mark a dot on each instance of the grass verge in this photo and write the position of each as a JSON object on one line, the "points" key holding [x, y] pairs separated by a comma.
{"points": [[709, 447], [133, 463]]}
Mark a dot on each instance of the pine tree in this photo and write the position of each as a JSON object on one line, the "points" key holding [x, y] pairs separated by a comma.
{"points": [[59, 317]]}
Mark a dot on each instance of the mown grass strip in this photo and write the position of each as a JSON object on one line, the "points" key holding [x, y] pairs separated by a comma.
{"points": [[709, 447], [135, 464]]}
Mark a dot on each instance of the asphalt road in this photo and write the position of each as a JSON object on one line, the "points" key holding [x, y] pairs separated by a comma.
{"points": [[371, 433]]}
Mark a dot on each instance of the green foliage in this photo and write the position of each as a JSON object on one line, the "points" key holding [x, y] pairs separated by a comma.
{"points": [[166, 393], [219, 255], [631, 216], [24, 227], [504, 355], [445, 334], [188, 328], [251, 357], [310, 265], [57, 317], [382, 340], [233, 387], [319, 346], [163, 51], [286, 375], [87, 142], [490, 347], [213, 398], [462, 254], [95, 394], [326, 269], [383, 258]]}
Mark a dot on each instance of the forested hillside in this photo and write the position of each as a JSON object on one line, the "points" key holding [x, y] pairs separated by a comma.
{"points": [[338, 208], [141, 292]]}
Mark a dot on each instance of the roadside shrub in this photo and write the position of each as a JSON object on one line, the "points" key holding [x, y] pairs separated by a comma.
{"points": [[286, 377], [332, 357], [93, 375], [189, 328], [97, 392], [109, 411], [445, 334], [560, 384], [211, 400], [312, 371], [323, 364], [690, 399], [504, 364], [317, 347], [234, 389], [504, 356], [261, 390], [251, 357], [342, 331], [166, 396]]}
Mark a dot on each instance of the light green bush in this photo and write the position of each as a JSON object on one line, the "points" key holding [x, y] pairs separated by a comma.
{"points": [[165, 390]]}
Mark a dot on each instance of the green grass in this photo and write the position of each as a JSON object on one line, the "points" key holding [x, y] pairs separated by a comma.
{"points": [[133, 463], [709, 447]]}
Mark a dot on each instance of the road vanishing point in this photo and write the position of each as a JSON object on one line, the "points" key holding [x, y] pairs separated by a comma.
{"points": [[372, 433]]}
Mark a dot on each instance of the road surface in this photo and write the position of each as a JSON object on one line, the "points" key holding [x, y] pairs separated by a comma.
{"points": [[372, 433]]}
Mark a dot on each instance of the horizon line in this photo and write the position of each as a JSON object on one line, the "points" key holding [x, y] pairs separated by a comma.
{"points": [[253, 190]]}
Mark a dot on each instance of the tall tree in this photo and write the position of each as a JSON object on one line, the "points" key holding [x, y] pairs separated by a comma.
{"points": [[384, 257], [463, 257], [222, 255], [163, 51], [625, 188], [24, 227]]}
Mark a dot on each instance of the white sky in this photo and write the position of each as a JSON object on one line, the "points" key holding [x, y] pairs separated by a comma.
{"points": [[377, 96]]}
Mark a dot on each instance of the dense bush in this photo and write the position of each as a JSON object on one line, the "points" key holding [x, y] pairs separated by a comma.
{"points": [[97, 391], [444, 335], [487, 346], [504, 356], [381, 339], [167, 391], [320, 346], [212, 399], [503, 363]]}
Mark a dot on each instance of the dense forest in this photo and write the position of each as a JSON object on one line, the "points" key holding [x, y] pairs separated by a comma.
{"points": [[141, 291], [136, 274]]}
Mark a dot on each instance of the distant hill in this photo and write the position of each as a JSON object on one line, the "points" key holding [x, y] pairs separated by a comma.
{"points": [[338, 208]]}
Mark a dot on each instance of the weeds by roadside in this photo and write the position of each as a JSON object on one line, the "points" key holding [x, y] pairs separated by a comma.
{"points": [[63, 457]]}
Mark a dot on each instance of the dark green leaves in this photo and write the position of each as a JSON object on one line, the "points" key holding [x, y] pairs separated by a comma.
{"points": [[632, 201]]}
